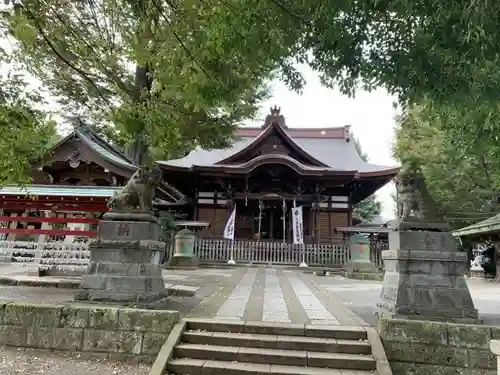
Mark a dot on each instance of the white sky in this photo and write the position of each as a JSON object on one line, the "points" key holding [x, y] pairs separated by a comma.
{"points": [[371, 116]]}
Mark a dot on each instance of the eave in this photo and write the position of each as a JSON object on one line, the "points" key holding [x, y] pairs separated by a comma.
{"points": [[280, 159], [486, 227]]}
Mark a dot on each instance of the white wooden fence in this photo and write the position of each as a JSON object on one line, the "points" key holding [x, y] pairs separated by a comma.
{"points": [[267, 252], [47, 256], [74, 257]]}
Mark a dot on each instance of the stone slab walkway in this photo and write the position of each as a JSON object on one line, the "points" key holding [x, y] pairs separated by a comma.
{"points": [[203, 283], [360, 296], [274, 295]]}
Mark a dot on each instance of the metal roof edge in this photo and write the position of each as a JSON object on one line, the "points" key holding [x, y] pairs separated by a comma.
{"points": [[484, 226], [103, 143], [88, 142]]}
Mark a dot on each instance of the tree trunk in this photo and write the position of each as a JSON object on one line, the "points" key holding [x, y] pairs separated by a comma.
{"points": [[138, 149]]}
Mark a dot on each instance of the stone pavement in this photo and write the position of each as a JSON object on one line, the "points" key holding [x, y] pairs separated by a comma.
{"points": [[267, 294], [274, 295], [361, 296], [203, 282]]}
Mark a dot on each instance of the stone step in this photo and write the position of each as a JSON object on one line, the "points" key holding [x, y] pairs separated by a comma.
{"points": [[283, 329], [317, 344], [276, 356], [214, 367]]}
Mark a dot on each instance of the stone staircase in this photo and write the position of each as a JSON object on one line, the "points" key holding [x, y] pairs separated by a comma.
{"points": [[229, 348]]}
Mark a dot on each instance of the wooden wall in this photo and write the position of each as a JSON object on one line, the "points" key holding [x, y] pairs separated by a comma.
{"points": [[217, 217], [328, 221], [325, 221]]}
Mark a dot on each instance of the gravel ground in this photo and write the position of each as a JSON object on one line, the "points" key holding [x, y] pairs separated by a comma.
{"points": [[33, 362]]}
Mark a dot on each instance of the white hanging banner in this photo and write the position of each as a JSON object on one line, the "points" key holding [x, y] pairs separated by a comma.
{"points": [[297, 226], [229, 229]]}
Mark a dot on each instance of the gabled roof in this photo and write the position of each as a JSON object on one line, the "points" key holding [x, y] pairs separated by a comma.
{"points": [[117, 161], [274, 127], [99, 145], [105, 149], [332, 148]]}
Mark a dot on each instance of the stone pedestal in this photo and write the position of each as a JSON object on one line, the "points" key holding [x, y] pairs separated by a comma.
{"points": [[123, 263], [424, 278], [360, 265]]}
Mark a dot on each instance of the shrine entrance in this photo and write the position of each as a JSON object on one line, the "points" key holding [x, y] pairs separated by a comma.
{"points": [[275, 221]]}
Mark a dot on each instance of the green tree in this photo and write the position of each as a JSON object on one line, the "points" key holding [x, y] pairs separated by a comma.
{"points": [[173, 74], [369, 207], [25, 131], [460, 165]]}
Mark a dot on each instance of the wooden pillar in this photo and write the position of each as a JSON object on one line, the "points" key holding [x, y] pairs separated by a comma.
{"points": [[214, 217], [496, 256], [330, 227], [317, 223], [12, 225], [271, 225]]}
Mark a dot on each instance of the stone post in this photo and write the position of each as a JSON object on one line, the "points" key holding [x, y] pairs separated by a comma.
{"points": [[424, 276], [360, 265], [495, 349]]}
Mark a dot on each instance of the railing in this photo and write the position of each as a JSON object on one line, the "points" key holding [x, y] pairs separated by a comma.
{"points": [[48, 256], [268, 252]]}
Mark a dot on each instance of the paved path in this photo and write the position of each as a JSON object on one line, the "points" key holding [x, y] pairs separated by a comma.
{"points": [[204, 282], [361, 296], [274, 295]]}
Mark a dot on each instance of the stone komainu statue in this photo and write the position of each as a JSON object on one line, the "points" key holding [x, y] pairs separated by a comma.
{"points": [[414, 200], [138, 194]]}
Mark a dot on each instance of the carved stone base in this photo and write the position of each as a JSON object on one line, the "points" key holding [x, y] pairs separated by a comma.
{"points": [[121, 264], [412, 223], [130, 216], [361, 270], [184, 262], [424, 278]]}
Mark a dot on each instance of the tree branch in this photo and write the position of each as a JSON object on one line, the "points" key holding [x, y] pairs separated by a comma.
{"points": [[80, 72], [179, 40]]}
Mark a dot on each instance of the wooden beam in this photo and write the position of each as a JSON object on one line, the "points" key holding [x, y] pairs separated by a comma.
{"points": [[51, 232], [42, 206], [33, 219], [265, 196]]}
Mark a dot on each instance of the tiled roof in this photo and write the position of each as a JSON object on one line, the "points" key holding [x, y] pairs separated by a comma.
{"points": [[103, 148], [328, 145]]}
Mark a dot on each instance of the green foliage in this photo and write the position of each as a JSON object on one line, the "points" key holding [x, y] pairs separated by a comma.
{"points": [[460, 162], [167, 228], [25, 132], [369, 207], [175, 74]]}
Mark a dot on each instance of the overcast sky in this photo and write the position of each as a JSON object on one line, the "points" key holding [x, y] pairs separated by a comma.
{"points": [[371, 116]]}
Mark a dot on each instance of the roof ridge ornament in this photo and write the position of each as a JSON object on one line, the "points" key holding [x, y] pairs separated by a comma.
{"points": [[275, 117], [347, 133]]}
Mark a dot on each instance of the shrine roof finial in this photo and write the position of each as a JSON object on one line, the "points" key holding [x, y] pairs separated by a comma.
{"points": [[275, 117]]}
